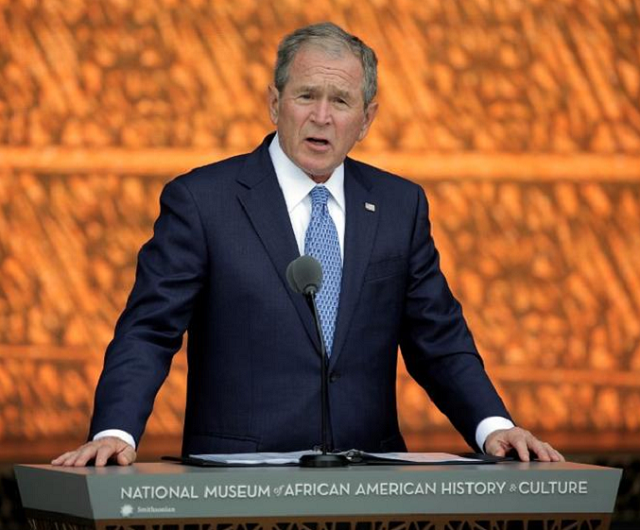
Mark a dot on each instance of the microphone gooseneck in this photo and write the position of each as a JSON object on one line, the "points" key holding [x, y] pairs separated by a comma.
{"points": [[304, 275]]}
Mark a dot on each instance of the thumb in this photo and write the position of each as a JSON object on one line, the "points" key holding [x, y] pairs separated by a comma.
{"points": [[499, 451], [126, 456], [496, 447]]}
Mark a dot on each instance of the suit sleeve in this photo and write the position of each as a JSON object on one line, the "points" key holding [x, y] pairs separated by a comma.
{"points": [[169, 275], [436, 343]]}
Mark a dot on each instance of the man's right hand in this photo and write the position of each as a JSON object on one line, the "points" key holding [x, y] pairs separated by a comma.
{"points": [[103, 450]]}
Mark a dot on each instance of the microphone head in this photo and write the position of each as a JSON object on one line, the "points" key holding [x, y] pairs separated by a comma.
{"points": [[304, 275]]}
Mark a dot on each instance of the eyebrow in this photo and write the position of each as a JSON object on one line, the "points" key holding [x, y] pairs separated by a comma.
{"points": [[344, 94]]}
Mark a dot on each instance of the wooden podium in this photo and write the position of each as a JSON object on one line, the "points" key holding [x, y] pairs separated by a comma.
{"points": [[507, 496]]}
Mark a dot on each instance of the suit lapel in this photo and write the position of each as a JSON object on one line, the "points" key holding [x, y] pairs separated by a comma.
{"points": [[360, 231], [262, 200]]}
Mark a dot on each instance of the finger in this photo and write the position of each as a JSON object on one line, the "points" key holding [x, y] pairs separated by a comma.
{"points": [[71, 457], [556, 456], [540, 449], [551, 453], [85, 454], [70, 460], [495, 445], [497, 448], [104, 452], [127, 456], [521, 447], [59, 461]]}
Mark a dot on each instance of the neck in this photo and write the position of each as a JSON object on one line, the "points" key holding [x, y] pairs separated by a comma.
{"points": [[319, 179]]}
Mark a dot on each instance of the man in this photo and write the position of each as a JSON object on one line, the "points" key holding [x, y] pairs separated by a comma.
{"points": [[216, 266]]}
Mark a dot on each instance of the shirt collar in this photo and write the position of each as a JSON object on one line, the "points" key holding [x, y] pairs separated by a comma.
{"points": [[296, 184]]}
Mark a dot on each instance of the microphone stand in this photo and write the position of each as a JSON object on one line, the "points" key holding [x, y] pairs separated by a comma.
{"points": [[324, 459]]}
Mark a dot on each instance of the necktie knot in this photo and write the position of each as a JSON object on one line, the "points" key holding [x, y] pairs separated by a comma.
{"points": [[319, 196]]}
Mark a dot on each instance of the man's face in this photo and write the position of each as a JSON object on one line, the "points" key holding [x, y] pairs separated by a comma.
{"points": [[320, 113]]}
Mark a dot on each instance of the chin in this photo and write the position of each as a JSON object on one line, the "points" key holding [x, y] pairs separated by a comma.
{"points": [[314, 169], [323, 174]]}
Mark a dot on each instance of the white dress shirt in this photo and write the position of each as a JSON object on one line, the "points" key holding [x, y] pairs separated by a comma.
{"points": [[296, 186]]}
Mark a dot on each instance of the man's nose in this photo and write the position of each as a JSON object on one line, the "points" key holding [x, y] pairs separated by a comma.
{"points": [[321, 112]]}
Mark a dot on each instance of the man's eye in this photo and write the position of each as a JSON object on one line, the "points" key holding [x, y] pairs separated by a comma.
{"points": [[305, 96]]}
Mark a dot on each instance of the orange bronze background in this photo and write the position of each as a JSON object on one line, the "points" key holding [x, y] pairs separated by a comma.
{"points": [[520, 118]]}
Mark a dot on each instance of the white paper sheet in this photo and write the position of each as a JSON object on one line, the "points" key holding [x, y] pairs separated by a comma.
{"points": [[252, 459]]}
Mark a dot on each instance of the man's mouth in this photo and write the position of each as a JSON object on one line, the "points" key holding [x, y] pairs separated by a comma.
{"points": [[317, 141]]}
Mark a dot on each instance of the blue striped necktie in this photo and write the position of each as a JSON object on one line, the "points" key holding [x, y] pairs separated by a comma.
{"points": [[321, 242]]}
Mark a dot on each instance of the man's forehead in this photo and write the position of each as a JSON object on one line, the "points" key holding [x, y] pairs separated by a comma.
{"points": [[327, 57], [335, 50], [315, 67]]}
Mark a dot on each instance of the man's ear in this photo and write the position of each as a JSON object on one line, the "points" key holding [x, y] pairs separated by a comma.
{"points": [[369, 115], [273, 99]]}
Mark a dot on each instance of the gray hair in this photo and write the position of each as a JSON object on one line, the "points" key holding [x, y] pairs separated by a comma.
{"points": [[332, 39]]}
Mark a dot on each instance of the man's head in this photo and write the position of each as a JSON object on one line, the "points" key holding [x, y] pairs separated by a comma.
{"points": [[322, 99], [334, 40]]}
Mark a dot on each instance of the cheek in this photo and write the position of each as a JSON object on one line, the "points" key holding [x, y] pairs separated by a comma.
{"points": [[351, 131], [294, 122]]}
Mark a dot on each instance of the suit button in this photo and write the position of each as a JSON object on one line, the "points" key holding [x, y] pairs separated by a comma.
{"points": [[334, 377]]}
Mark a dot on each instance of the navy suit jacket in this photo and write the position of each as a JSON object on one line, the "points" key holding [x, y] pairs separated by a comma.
{"points": [[215, 266]]}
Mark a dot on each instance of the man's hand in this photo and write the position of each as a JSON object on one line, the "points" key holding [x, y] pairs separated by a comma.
{"points": [[500, 442], [104, 449]]}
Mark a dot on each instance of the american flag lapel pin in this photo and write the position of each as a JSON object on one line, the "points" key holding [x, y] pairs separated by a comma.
{"points": [[369, 207]]}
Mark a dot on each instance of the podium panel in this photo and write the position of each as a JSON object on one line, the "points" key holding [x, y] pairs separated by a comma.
{"points": [[508, 496]]}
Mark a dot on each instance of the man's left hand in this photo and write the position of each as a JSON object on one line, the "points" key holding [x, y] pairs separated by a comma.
{"points": [[500, 442]]}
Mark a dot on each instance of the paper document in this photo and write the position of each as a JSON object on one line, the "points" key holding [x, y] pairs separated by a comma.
{"points": [[251, 459], [424, 458], [355, 456]]}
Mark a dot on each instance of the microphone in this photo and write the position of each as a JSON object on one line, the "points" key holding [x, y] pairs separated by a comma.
{"points": [[304, 275]]}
